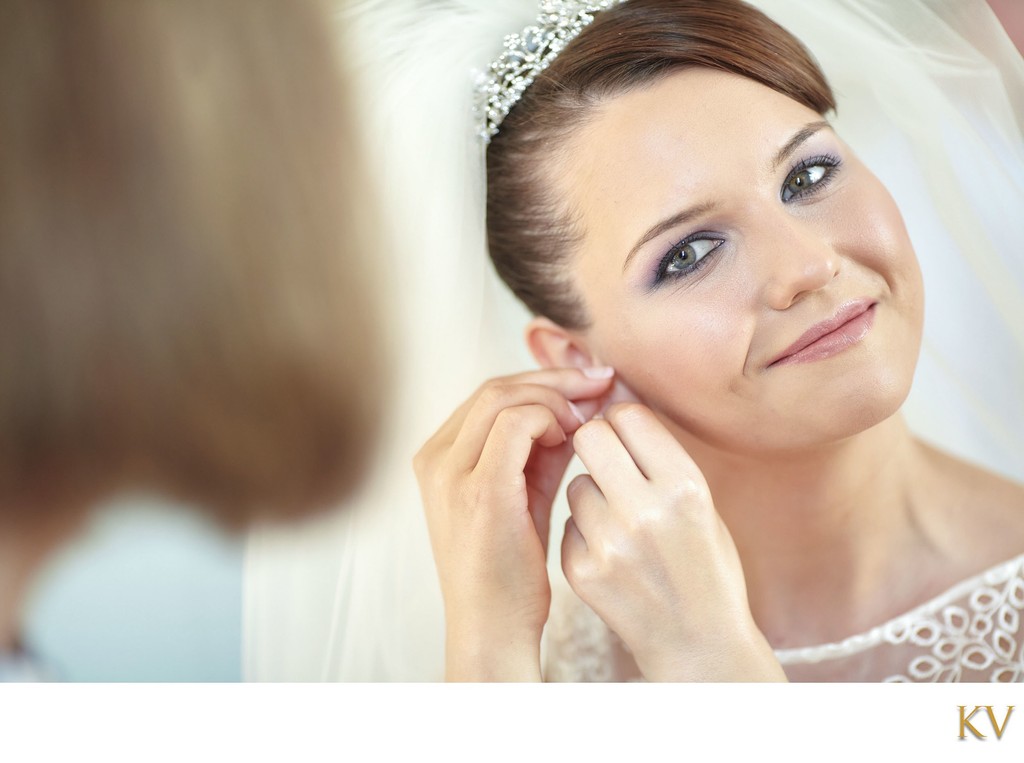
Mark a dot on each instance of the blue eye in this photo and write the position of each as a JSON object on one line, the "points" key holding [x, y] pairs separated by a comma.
{"points": [[687, 256], [810, 176]]}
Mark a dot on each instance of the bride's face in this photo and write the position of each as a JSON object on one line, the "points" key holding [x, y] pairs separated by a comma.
{"points": [[727, 226]]}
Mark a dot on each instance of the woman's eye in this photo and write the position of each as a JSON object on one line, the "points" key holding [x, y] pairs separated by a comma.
{"points": [[685, 256], [808, 176]]}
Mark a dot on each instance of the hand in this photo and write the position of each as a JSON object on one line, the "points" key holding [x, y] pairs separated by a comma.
{"points": [[646, 550], [488, 478]]}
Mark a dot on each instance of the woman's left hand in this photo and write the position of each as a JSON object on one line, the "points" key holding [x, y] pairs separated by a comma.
{"points": [[646, 550]]}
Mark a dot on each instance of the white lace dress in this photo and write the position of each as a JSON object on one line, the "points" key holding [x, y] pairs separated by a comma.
{"points": [[968, 633]]}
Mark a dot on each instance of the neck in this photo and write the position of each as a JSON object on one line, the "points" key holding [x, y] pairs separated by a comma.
{"points": [[819, 532]]}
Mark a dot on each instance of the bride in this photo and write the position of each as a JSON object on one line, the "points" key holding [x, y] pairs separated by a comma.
{"points": [[728, 317], [929, 98]]}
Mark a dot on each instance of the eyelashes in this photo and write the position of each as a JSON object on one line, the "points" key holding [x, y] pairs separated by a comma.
{"points": [[688, 256], [809, 177]]}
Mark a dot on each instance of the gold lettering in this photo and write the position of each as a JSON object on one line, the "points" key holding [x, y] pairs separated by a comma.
{"points": [[965, 722], [992, 717]]}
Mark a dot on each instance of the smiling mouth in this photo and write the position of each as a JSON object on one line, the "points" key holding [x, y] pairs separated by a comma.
{"points": [[848, 327]]}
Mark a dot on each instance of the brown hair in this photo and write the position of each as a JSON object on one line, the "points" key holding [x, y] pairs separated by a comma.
{"points": [[183, 303], [530, 233]]}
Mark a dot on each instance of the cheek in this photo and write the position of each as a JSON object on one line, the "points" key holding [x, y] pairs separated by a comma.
{"points": [[678, 351], [873, 234]]}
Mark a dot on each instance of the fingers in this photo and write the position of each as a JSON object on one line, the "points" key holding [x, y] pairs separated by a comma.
{"points": [[572, 383], [574, 552], [654, 449], [555, 389], [586, 530], [606, 458], [587, 505], [628, 444], [510, 441], [493, 401]]}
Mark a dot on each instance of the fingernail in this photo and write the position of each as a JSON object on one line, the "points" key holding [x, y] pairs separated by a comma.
{"points": [[577, 412], [598, 372]]}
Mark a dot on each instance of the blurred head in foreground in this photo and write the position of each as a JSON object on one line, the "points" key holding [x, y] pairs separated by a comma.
{"points": [[183, 301]]}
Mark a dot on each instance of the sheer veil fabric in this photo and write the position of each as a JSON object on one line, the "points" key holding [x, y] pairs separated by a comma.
{"points": [[931, 96]]}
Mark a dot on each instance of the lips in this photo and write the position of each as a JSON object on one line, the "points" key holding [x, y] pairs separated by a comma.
{"points": [[850, 324]]}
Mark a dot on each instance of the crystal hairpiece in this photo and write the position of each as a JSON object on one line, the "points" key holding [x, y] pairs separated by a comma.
{"points": [[529, 53]]}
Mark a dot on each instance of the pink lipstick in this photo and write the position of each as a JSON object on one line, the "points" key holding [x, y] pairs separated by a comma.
{"points": [[847, 327]]}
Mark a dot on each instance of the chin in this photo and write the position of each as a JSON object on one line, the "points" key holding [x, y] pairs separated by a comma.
{"points": [[847, 412], [852, 393], [864, 414]]}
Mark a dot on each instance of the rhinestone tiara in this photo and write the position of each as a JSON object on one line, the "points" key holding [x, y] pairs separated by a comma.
{"points": [[529, 53]]}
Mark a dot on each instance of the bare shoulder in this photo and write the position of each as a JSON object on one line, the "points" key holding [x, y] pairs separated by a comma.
{"points": [[982, 511]]}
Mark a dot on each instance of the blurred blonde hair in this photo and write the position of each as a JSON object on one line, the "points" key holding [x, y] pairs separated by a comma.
{"points": [[185, 302]]}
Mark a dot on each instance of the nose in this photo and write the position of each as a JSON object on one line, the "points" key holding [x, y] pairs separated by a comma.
{"points": [[798, 260]]}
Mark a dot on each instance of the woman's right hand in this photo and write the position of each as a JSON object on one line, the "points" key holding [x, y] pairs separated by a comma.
{"points": [[488, 478], [647, 551]]}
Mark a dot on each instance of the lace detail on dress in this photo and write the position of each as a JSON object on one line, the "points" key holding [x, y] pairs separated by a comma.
{"points": [[968, 633], [579, 644]]}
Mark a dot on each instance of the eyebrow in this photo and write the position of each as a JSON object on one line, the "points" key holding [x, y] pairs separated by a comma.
{"points": [[667, 224], [701, 209], [796, 141]]}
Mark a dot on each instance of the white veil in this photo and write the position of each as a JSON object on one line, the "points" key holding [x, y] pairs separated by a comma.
{"points": [[931, 95]]}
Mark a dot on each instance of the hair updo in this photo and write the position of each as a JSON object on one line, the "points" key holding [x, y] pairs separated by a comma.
{"points": [[531, 234]]}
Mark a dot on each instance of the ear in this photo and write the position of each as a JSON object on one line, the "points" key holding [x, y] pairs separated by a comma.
{"points": [[553, 346]]}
